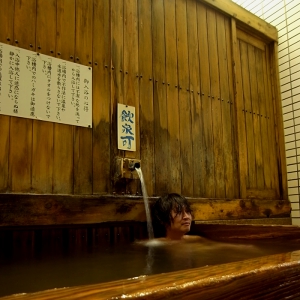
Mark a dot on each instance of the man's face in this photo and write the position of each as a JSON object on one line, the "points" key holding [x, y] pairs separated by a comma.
{"points": [[181, 221]]}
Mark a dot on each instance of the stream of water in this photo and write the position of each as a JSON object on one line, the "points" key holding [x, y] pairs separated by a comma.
{"points": [[146, 202]]}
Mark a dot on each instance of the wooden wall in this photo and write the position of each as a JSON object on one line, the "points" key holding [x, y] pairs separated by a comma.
{"points": [[205, 93]]}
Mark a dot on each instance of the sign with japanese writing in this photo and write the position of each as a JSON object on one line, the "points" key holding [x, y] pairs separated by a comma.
{"points": [[41, 87], [126, 127]]}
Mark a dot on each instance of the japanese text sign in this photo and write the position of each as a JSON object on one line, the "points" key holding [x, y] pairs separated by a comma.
{"points": [[126, 128], [41, 87]]}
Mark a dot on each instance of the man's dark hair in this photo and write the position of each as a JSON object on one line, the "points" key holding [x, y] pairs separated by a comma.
{"points": [[162, 208]]}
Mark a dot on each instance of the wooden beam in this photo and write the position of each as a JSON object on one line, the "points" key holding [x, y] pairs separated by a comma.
{"points": [[39, 210], [244, 17]]}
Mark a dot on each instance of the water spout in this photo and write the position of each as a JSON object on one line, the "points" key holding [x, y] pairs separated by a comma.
{"points": [[146, 202]]}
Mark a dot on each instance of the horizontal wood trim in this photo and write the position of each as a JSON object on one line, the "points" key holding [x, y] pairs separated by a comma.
{"points": [[244, 17], [260, 221], [261, 277], [247, 232], [249, 39], [36, 210]]}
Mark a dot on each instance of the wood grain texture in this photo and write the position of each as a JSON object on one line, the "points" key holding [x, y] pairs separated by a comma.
{"points": [[42, 149], [83, 158], [146, 93], [207, 136], [101, 98], [6, 36], [186, 150], [159, 97], [198, 149], [63, 134], [20, 156], [22, 210], [190, 70], [172, 162], [216, 108], [241, 15]]}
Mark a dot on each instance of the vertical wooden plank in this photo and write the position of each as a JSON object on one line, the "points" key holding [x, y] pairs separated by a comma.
{"points": [[101, 98], [268, 118], [225, 103], [42, 152], [132, 77], [231, 55], [208, 172], [160, 105], [83, 149], [250, 147], [63, 134], [131, 58], [215, 104], [282, 176], [20, 157], [6, 36], [271, 118], [184, 100], [173, 159], [255, 119], [259, 75], [117, 79], [240, 113], [196, 109], [146, 94]]}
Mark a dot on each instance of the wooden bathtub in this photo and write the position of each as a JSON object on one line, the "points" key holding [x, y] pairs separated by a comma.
{"points": [[268, 277]]}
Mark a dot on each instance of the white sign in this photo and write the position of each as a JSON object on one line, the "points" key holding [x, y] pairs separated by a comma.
{"points": [[41, 87], [126, 127]]}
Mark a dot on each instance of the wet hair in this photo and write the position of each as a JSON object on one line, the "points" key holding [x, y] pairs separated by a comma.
{"points": [[163, 207]]}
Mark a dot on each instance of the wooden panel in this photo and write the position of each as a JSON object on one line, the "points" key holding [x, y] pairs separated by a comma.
{"points": [[248, 20], [131, 80], [20, 156], [231, 40], [208, 172], [215, 105], [225, 101], [262, 97], [117, 80], [172, 163], [251, 174], [6, 36], [63, 134], [255, 113], [42, 151], [240, 113], [282, 172], [270, 125], [101, 98], [184, 100], [198, 151], [159, 94], [146, 94], [83, 154]]}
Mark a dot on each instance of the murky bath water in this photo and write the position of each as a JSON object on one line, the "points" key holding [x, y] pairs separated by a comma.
{"points": [[23, 272]]}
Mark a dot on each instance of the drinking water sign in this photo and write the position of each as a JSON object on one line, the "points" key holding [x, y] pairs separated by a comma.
{"points": [[126, 127], [41, 87]]}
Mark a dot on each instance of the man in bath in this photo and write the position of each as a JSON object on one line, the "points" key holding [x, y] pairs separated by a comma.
{"points": [[174, 214]]}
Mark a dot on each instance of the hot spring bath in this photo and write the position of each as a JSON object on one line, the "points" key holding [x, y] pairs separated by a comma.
{"points": [[240, 261]]}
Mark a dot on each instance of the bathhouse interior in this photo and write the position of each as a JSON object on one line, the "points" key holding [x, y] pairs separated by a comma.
{"points": [[187, 92]]}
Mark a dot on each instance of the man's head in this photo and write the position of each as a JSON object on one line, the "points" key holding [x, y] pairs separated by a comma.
{"points": [[174, 213]]}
